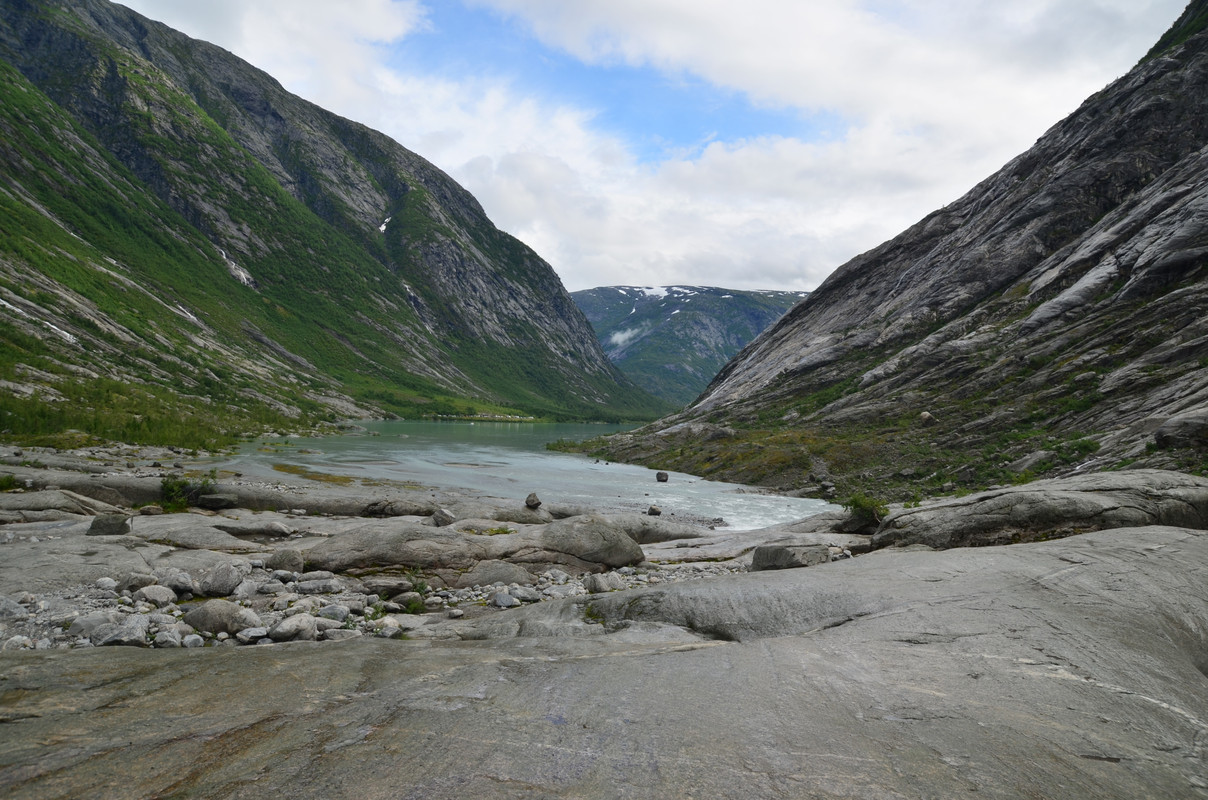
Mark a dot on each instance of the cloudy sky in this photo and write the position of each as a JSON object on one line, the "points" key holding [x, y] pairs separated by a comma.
{"points": [[754, 144]]}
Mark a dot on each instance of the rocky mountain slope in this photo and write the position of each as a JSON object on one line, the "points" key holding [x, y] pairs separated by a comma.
{"points": [[672, 340], [182, 238], [1051, 319]]}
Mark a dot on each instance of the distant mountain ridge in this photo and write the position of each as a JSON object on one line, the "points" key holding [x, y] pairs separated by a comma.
{"points": [[175, 221], [1052, 319], [672, 340]]}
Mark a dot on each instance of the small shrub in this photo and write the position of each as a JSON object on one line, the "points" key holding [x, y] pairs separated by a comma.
{"points": [[8, 483], [864, 508]]}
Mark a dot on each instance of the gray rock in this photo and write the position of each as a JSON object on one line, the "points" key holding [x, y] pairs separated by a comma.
{"points": [[220, 581], [532, 501], [386, 585], [443, 517], [221, 616], [492, 571], [12, 610], [1052, 509], [250, 635], [661, 477], [603, 582], [299, 627], [593, 540], [1184, 430], [166, 639], [135, 581], [324, 586], [84, 625], [407, 598], [18, 642], [789, 556], [335, 611], [218, 501], [503, 599], [131, 631], [110, 525], [108, 584], [654, 511], [159, 596], [193, 640], [287, 558], [525, 594]]}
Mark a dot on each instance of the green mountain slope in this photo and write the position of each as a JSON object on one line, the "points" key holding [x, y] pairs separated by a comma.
{"points": [[177, 224], [672, 340]]}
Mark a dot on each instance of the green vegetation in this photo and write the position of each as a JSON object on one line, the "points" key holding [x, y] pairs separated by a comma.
{"points": [[177, 494], [865, 509]]}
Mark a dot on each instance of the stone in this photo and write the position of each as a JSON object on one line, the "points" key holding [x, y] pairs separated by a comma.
{"points": [[603, 582], [167, 639], [108, 584], [788, 556], [443, 517], [299, 627], [662, 477], [1053, 508], [386, 585], [532, 501], [492, 571], [110, 525], [323, 586], [654, 511], [927, 418], [130, 631], [220, 581], [286, 558], [151, 511], [12, 610], [221, 616], [335, 611], [159, 596], [250, 635], [218, 501], [1184, 430], [18, 642], [193, 640], [135, 581], [503, 599], [407, 598]]}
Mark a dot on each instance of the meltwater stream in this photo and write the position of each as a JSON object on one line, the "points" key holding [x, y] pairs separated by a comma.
{"points": [[509, 460]]}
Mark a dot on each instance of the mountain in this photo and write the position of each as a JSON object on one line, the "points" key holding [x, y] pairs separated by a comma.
{"points": [[184, 244], [672, 340], [1052, 319]]}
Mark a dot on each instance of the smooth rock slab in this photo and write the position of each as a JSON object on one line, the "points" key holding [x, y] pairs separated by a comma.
{"points": [[789, 556], [948, 690]]}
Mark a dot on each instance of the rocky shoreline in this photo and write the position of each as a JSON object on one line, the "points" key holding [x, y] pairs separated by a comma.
{"points": [[1047, 639]]}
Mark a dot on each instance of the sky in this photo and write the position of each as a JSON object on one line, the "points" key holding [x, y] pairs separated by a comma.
{"points": [[748, 145]]}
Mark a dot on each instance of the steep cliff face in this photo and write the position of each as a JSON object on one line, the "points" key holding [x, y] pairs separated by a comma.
{"points": [[286, 244], [1050, 319], [672, 340]]}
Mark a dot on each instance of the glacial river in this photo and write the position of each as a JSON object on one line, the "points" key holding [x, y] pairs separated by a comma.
{"points": [[509, 460]]}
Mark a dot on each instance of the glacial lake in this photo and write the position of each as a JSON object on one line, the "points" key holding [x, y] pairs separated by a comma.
{"points": [[509, 460]]}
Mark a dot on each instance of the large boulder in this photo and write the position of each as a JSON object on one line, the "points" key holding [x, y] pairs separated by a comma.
{"points": [[789, 556], [222, 616], [1052, 509], [585, 544]]}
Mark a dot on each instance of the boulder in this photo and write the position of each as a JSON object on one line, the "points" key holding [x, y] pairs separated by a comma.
{"points": [[1052, 509], [222, 616], [661, 477], [129, 631], [789, 556], [1185, 430], [593, 539], [220, 581], [603, 582], [532, 501], [158, 596], [287, 558], [492, 571], [299, 627], [110, 525]]}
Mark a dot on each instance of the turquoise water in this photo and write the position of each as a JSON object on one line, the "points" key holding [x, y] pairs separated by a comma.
{"points": [[509, 460]]}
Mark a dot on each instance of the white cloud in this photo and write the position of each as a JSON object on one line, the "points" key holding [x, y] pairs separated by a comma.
{"points": [[937, 94]]}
